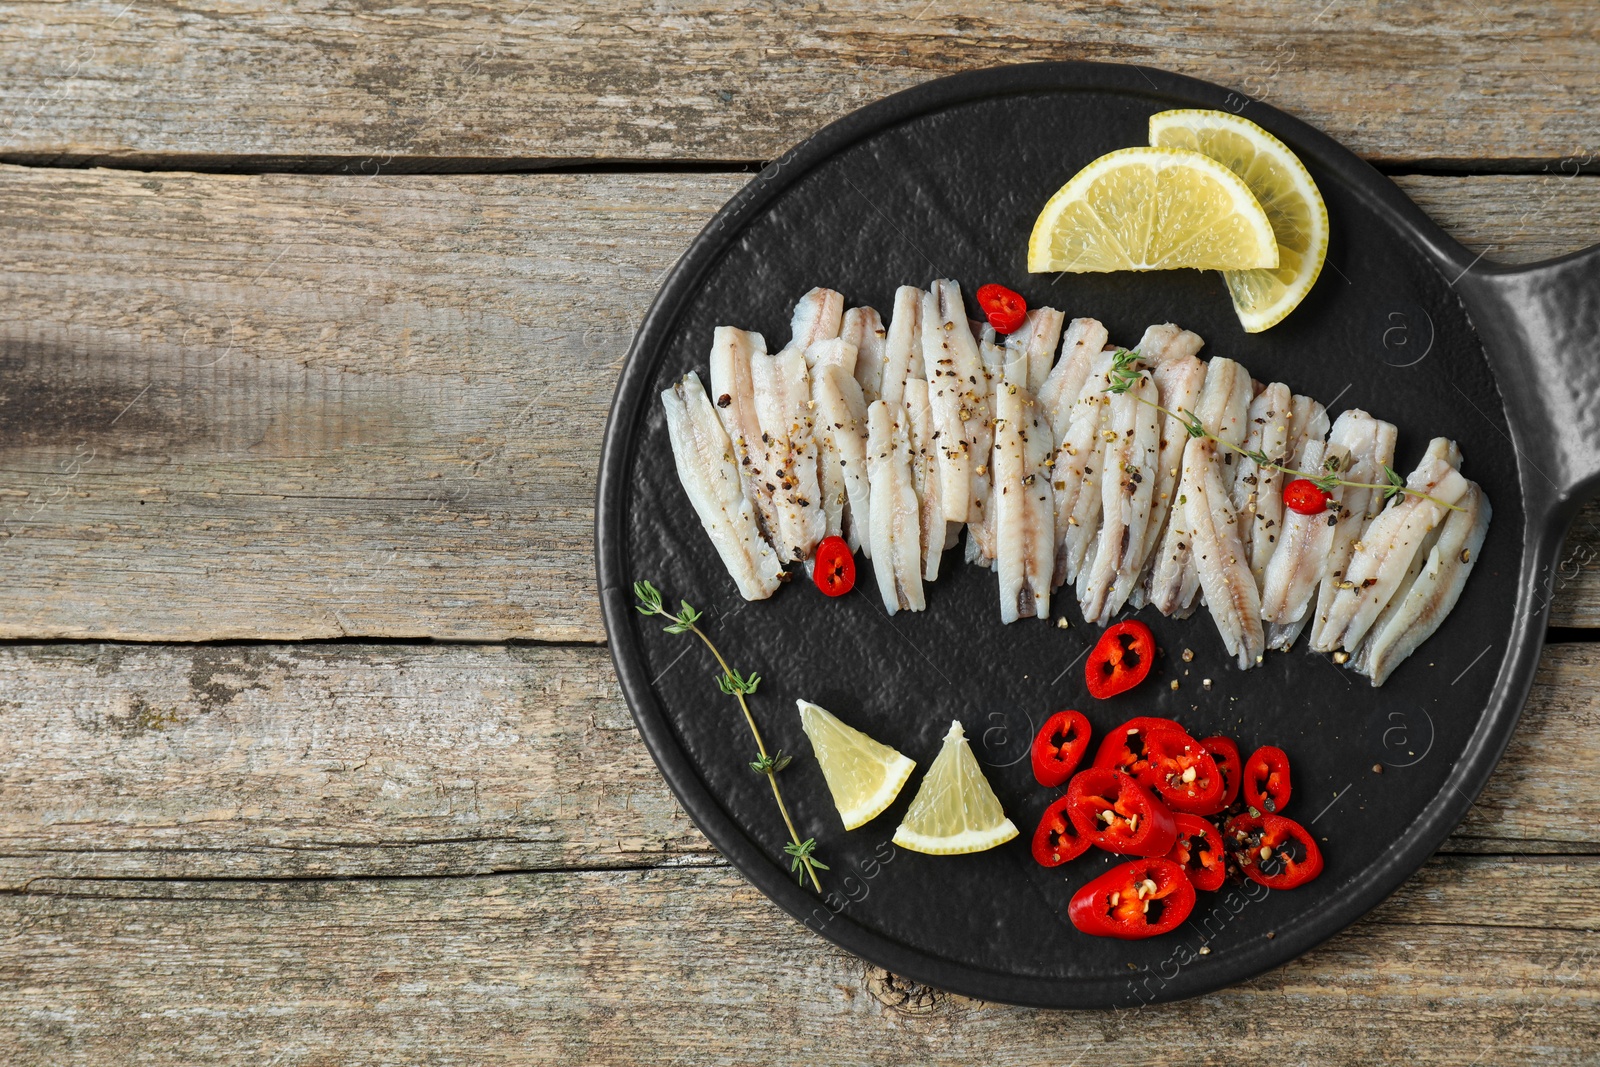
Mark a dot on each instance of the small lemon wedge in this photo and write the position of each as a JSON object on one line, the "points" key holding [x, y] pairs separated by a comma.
{"points": [[955, 811], [863, 775], [1152, 209], [1282, 185]]}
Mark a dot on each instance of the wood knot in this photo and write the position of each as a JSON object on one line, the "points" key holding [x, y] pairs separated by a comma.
{"points": [[902, 995]]}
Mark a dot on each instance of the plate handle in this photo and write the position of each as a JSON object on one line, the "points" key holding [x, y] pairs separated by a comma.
{"points": [[1541, 327]]}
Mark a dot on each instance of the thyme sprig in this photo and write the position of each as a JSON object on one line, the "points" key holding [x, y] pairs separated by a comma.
{"points": [[1124, 375], [803, 860]]}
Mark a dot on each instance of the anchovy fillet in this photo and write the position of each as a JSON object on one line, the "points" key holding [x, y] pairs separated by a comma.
{"points": [[782, 390], [1084, 341], [1418, 610], [1024, 507], [842, 433], [840, 355], [925, 474], [704, 456], [1302, 549], [1219, 557], [1389, 544], [863, 328], [958, 392], [1258, 489], [1180, 379], [902, 351], [1127, 482], [731, 354], [893, 523], [817, 317], [1371, 442], [1224, 403]]}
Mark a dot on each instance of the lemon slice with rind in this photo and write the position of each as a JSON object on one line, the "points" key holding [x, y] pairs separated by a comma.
{"points": [[955, 811], [1152, 209], [1286, 192], [863, 775]]}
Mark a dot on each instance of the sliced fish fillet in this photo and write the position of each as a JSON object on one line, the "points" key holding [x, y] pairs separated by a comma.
{"points": [[918, 420], [1258, 490], [732, 351], [902, 350], [863, 328], [1219, 558], [1180, 379], [817, 317], [1031, 350], [831, 352], [842, 435], [1168, 341], [1224, 404], [1371, 443], [1084, 341], [1389, 544], [840, 355], [1127, 484], [958, 393], [980, 511], [1302, 550], [1024, 506], [782, 391], [704, 456], [1419, 609], [893, 522], [1075, 475]]}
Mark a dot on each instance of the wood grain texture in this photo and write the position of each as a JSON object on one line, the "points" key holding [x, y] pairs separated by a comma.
{"points": [[496, 80], [695, 967], [361, 760], [301, 407]]}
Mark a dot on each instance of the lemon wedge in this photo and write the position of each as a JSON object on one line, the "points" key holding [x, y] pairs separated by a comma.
{"points": [[863, 775], [954, 811], [1283, 187], [1152, 209]]}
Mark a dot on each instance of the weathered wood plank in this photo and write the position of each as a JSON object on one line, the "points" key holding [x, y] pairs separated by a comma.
{"points": [[585, 967], [607, 79], [339, 761], [281, 407], [292, 407]]}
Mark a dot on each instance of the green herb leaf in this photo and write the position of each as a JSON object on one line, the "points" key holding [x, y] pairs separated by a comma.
{"points": [[803, 854], [734, 684], [770, 764], [649, 598]]}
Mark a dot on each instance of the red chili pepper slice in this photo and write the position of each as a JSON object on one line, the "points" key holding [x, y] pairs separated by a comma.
{"points": [[835, 568], [1266, 780], [1183, 773], [1305, 496], [1275, 851], [1006, 310], [1133, 900], [1121, 659], [1059, 747], [1199, 851], [1123, 749], [1057, 840], [1226, 753], [1118, 814]]}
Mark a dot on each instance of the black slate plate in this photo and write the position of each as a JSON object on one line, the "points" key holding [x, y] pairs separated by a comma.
{"points": [[945, 180]]}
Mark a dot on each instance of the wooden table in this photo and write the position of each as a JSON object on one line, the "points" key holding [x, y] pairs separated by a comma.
{"points": [[310, 749]]}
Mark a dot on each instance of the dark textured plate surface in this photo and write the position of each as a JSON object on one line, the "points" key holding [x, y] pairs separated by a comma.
{"points": [[944, 181]]}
